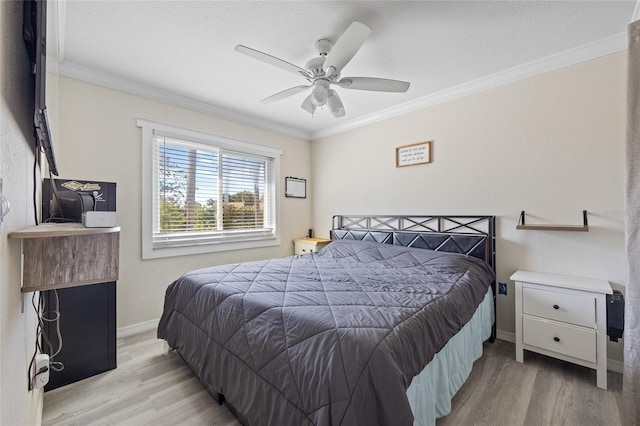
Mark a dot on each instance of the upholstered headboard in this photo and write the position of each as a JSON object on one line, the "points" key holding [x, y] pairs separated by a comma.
{"points": [[471, 235]]}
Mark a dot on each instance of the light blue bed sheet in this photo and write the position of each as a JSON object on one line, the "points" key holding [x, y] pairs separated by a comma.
{"points": [[431, 391]]}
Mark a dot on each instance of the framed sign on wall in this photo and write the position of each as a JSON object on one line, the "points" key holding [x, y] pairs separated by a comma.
{"points": [[414, 154]]}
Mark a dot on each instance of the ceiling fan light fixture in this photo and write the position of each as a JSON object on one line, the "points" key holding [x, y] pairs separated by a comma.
{"points": [[335, 104], [319, 93], [308, 106]]}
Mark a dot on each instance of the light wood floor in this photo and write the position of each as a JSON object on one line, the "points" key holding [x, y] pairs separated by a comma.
{"points": [[151, 387]]}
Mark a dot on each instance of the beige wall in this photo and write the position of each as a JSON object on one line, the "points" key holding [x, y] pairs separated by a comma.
{"points": [[552, 145], [99, 140], [18, 406]]}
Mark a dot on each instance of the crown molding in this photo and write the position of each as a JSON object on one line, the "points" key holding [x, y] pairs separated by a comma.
{"points": [[612, 44], [101, 78]]}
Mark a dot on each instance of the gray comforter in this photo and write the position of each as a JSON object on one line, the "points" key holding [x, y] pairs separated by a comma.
{"points": [[332, 338]]}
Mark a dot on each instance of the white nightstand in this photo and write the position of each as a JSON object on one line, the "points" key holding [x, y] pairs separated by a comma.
{"points": [[563, 317], [309, 245]]}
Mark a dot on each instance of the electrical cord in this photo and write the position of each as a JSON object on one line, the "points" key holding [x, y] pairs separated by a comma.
{"points": [[44, 317], [55, 365], [30, 379], [54, 191], [39, 308], [36, 161], [38, 347]]}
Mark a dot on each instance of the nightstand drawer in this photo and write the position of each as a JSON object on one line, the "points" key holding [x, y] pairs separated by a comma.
{"points": [[309, 245], [304, 248], [577, 342], [579, 309]]}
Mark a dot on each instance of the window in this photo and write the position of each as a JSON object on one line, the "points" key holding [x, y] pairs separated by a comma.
{"points": [[204, 193]]}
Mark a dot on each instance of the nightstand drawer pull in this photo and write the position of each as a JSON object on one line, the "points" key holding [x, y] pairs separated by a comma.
{"points": [[557, 339], [556, 307]]}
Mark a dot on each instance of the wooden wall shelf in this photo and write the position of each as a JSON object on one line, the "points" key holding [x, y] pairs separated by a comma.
{"points": [[552, 227], [67, 255], [47, 230]]}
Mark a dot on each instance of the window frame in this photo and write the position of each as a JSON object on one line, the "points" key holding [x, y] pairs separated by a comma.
{"points": [[151, 128]]}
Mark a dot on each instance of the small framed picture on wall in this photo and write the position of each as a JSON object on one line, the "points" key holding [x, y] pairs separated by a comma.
{"points": [[414, 154], [295, 187]]}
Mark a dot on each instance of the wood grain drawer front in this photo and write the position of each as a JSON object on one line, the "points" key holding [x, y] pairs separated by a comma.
{"points": [[579, 309], [70, 261], [578, 342]]}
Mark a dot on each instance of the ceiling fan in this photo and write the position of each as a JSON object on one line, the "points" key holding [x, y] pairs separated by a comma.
{"points": [[324, 71]]}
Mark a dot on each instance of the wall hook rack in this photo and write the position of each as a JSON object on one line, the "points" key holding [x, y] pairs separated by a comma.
{"points": [[548, 227]]}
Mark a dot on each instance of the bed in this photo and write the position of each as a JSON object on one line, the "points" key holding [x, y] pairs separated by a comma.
{"points": [[350, 335]]}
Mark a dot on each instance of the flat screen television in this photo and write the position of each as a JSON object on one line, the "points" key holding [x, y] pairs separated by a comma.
{"points": [[34, 30]]}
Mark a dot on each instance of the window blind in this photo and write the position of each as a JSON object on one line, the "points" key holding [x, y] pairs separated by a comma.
{"points": [[204, 194]]}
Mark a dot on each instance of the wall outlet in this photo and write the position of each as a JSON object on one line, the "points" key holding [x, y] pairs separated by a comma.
{"points": [[502, 289], [41, 377]]}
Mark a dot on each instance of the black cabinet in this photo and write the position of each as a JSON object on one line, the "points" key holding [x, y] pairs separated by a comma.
{"points": [[88, 329]]}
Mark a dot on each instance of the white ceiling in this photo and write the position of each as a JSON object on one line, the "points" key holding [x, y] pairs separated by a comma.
{"points": [[183, 51]]}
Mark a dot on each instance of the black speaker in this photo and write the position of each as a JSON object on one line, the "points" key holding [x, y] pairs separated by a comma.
{"points": [[615, 315]]}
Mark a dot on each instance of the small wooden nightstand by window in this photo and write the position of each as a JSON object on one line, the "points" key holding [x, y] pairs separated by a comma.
{"points": [[309, 245]]}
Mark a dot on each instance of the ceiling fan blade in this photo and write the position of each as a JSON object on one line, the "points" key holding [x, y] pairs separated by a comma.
{"points": [[271, 60], [346, 47], [374, 84], [284, 94]]}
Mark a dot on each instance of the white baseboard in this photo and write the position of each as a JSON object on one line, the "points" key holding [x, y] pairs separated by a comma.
{"points": [[612, 364], [137, 328], [615, 366], [506, 336]]}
